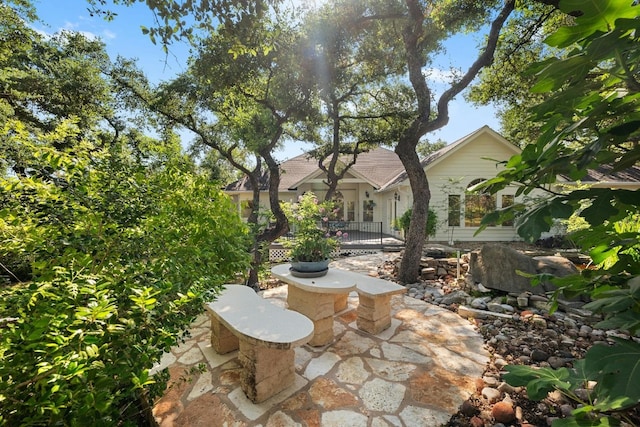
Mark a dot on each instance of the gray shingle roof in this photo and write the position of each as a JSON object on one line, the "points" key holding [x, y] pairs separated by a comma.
{"points": [[605, 173], [383, 168], [377, 166]]}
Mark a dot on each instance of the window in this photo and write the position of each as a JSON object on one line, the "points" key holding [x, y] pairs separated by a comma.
{"points": [[338, 199], [507, 200], [454, 210], [367, 210], [351, 210], [477, 206]]}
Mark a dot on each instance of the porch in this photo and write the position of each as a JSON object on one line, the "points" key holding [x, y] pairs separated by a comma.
{"points": [[356, 238]]}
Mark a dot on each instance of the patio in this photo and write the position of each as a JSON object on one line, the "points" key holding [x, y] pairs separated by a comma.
{"points": [[417, 372]]}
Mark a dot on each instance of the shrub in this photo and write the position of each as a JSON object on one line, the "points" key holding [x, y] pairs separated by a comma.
{"points": [[404, 221], [122, 258], [311, 242]]}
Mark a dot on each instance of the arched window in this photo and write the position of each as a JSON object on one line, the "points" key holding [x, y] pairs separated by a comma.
{"points": [[476, 205]]}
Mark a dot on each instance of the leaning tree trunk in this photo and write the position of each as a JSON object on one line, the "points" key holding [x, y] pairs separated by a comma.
{"points": [[271, 233], [410, 265], [413, 35]]}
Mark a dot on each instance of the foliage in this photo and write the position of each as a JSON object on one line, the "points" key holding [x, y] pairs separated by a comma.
{"points": [[592, 97], [244, 88], [311, 242], [122, 256], [423, 35], [405, 219], [46, 79], [616, 368], [426, 148], [406, 35], [503, 84], [360, 103]]}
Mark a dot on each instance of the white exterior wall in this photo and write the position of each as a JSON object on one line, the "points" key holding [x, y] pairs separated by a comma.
{"points": [[241, 198], [464, 165]]}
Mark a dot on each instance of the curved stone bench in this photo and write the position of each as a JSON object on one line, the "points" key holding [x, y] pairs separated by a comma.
{"points": [[265, 336]]}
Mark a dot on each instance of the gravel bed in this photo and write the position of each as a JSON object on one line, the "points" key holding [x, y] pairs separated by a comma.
{"points": [[517, 336]]}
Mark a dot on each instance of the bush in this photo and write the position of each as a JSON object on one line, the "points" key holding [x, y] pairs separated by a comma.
{"points": [[404, 221], [122, 258], [311, 241]]}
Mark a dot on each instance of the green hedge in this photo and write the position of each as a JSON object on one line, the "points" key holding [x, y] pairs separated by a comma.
{"points": [[122, 256]]}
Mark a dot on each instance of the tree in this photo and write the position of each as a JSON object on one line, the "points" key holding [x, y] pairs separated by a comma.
{"points": [[424, 147], [117, 242], [359, 105], [243, 88], [505, 84], [421, 27], [591, 96], [422, 30], [45, 80], [121, 259]]}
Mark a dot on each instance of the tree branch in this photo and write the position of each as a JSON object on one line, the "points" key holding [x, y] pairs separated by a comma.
{"points": [[484, 60]]}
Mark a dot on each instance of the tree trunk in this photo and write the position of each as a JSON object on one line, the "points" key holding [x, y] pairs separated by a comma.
{"points": [[414, 240], [425, 121], [271, 233]]}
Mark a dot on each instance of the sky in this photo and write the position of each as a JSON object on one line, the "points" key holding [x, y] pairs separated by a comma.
{"points": [[123, 37]]}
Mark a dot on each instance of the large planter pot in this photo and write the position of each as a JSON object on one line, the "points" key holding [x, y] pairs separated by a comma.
{"points": [[309, 268]]}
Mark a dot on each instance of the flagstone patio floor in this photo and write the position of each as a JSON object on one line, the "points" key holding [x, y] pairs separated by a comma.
{"points": [[416, 373]]}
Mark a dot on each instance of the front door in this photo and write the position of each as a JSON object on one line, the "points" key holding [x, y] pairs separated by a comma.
{"points": [[346, 200]]}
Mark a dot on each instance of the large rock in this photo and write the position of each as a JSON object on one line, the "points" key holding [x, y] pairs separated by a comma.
{"points": [[496, 267], [556, 265]]}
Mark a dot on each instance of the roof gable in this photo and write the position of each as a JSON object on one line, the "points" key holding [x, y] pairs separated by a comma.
{"points": [[375, 166], [441, 155], [383, 169]]}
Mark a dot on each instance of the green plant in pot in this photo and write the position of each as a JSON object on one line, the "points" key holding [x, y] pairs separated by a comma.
{"points": [[311, 248]]}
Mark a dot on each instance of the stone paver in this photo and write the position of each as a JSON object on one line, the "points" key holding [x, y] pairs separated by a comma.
{"points": [[417, 372]]}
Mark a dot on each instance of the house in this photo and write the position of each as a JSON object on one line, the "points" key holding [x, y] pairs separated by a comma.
{"points": [[376, 189]]}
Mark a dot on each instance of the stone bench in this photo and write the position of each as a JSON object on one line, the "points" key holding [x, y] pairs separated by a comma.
{"points": [[374, 301], [374, 308], [265, 336]]}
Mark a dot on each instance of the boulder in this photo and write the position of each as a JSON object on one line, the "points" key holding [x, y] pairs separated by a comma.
{"points": [[556, 265], [496, 267]]}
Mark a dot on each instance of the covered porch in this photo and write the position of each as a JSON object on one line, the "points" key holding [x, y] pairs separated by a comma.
{"points": [[358, 238]]}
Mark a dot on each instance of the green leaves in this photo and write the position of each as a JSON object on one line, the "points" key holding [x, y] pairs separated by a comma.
{"points": [[620, 305], [311, 242], [121, 254], [539, 382], [589, 120], [617, 370], [596, 16]]}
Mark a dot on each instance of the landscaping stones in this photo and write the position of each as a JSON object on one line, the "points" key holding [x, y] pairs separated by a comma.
{"points": [[518, 329]]}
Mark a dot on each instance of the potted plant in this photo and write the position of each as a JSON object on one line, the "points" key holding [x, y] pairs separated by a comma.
{"points": [[312, 244]]}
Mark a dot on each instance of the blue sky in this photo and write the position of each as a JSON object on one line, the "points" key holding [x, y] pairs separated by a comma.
{"points": [[123, 37]]}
